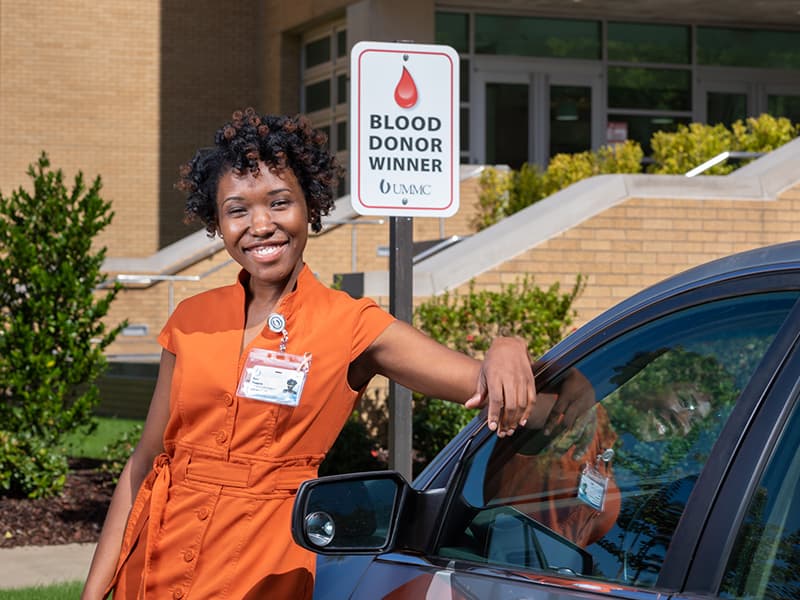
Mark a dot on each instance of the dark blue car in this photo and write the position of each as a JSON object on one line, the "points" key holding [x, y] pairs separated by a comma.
{"points": [[674, 471]]}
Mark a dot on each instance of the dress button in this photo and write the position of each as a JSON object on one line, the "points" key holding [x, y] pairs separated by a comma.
{"points": [[227, 399], [177, 593], [188, 556], [202, 513], [222, 437]]}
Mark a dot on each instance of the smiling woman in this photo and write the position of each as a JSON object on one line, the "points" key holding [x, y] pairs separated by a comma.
{"points": [[258, 378]]}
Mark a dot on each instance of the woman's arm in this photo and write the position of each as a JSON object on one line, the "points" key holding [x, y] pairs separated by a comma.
{"points": [[416, 361], [136, 469]]}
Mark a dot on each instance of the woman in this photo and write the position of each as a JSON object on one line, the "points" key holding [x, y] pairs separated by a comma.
{"points": [[257, 379]]}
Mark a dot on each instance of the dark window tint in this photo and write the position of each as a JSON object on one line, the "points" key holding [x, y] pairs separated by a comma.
{"points": [[765, 562], [341, 43], [748, 48], [318, 52], [599, 490], [649, 89], [725, 108], [318, 95], [638, 42], [452, 29], [527, 36]]}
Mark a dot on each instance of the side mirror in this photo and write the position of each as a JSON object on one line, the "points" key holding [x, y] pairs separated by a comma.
{"points": [[349, 514]]}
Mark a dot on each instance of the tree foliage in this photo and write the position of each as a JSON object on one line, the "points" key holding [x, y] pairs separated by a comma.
{"points": [[52, 333]]}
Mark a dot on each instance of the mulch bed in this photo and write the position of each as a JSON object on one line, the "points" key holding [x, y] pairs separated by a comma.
{"points": [[75, 516]]}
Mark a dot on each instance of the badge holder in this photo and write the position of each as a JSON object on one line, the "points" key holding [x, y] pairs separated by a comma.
{"points": [[593, 484], [276, 377]]}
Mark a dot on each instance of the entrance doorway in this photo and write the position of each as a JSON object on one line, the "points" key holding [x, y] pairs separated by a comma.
{"points": [[529, 111]]}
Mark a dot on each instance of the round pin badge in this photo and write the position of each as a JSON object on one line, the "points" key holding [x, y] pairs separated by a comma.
{"points": [[276, 323]]}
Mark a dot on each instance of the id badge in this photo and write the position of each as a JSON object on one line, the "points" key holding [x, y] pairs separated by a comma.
{"points": [[592, 488], [275, 377]]}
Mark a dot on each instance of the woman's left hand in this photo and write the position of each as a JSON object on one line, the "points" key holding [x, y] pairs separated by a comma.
{"points": [[506, 382]]}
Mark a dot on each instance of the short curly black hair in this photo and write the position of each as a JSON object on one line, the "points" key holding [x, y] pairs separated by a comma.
{"points": [[280, 141]]}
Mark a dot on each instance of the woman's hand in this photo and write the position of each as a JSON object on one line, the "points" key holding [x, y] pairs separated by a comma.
{"points": [[506, 381]]}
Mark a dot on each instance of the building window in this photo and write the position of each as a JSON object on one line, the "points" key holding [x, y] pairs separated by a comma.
{"points": [[325, 81], [748, 48], [648, 43], [529, 36]]}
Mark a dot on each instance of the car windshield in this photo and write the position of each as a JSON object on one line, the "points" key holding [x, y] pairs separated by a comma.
{"points": [[599, 491]]}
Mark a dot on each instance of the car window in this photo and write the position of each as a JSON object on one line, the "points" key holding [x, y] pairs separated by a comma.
{"points": [[599, 491], [765, 562]]}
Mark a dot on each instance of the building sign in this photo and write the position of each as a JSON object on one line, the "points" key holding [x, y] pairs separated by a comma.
{"points": [[616, 132], [404, 126]]}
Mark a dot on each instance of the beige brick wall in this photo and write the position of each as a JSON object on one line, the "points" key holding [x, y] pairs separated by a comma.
{"points": [[642, 241], [619, 252], [80, 80]]}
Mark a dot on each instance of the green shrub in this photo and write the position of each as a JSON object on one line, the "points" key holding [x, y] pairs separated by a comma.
{"points": [[763, 134], [493, 195], [52, 335], [469, 323], [691, 145], [355, 450], [680, 151], [504, 193], [117, 453], [29, 466]]}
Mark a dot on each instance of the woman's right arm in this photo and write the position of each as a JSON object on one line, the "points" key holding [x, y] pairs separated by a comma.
{"points": [[136, 469]]}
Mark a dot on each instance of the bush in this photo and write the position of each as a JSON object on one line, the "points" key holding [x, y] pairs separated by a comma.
{"points": [[689, 146], [469, 323], [51, 334], [504, 193], [117, 453], [29, 466], [355, 450]]}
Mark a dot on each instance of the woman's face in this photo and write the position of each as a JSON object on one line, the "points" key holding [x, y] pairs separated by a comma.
{"points": [[263, 220]]}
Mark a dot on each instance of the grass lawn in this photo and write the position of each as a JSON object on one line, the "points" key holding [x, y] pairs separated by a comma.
{"points": [[62, 591], [109, 430]]}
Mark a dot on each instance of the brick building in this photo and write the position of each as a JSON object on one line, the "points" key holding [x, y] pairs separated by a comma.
{"points": [[129, 90]]}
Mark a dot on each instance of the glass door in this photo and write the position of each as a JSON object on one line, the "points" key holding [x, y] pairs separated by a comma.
{"points": [[529, 111]]}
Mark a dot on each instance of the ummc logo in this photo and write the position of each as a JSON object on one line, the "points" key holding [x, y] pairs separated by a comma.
{"points": [[404, 189]]}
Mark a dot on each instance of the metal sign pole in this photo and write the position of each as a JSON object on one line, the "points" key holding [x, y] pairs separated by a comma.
{"points": [[400, 305]]}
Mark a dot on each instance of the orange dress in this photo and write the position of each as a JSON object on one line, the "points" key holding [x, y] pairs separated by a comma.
{"points": [[212, 520]]}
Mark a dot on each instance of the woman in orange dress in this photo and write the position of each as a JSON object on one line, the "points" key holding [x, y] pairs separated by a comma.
{"points": [[257, 379]]}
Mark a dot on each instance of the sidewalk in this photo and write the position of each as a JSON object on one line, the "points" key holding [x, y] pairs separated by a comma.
{"points": [[29, 566]]}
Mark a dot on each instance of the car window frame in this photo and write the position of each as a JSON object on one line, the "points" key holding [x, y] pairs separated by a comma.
{"points": [[674, 572]]}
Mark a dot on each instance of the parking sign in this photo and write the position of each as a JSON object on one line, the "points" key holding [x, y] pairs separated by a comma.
{"points": [[404, 124]]}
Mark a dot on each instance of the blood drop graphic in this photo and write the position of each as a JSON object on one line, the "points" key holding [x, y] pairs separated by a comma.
{"points": [[405, 94]]}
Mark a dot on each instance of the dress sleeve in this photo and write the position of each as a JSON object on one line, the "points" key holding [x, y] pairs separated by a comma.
{"points": [[371, 321], [166, 337]]}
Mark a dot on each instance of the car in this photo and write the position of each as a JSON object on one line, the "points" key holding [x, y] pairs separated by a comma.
{"points": [[662, 460]]}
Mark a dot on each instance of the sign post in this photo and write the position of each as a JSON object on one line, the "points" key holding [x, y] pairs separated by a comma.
{"points": [[404, 132]]}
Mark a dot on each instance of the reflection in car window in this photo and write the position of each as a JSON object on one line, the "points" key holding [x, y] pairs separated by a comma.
{"points": [[599, 490], [765, 562]]}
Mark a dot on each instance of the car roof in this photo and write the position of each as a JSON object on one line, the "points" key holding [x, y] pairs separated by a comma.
{"points": [[768, 259]]}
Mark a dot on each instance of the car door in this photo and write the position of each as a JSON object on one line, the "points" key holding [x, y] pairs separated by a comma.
{"points": [[603, 499]]}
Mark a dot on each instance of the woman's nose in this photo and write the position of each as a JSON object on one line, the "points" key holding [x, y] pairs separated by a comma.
{"points": [[261, 223]]}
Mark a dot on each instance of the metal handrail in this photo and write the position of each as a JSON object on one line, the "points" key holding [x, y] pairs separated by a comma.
{"points": [[150, 278], [722, 156]]}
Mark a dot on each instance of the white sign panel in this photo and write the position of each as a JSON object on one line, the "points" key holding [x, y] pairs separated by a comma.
{"points": [[404, 111]]}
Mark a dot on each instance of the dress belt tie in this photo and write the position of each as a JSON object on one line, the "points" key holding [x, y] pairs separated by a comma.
{"points": [[158, 502]]}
